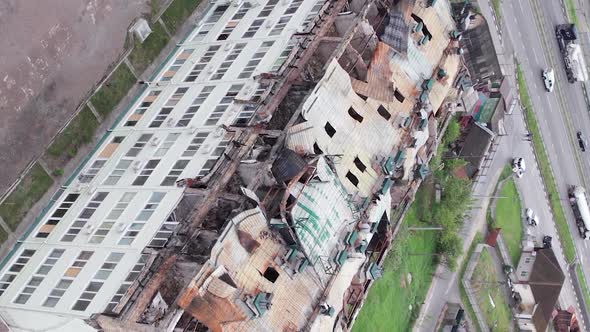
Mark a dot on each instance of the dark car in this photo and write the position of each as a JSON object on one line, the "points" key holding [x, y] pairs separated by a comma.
{"points": [[581, 141], [547, 241]]}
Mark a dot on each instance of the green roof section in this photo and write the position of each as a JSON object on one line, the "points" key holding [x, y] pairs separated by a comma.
{"points": [[303, 265], [487, 110], [388, 165], [351, 238], [424, 97], [262, 302], [428, 84], [419, 27], [341, 257], [400, 157]]}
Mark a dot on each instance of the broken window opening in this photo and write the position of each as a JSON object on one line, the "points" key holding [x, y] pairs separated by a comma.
{"points": [[352, 178], [316, 149], [353, 114], [383, 112], [398, 95], [329, 129], [359, 164], [271, 274]]}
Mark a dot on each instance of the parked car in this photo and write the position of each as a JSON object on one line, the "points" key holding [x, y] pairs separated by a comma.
{"points": [[549, 79], [547, 241], [531, 217], [581, 141], [518, 166]]}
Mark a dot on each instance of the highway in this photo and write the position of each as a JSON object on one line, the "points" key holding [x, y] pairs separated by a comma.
{"points": [[528, 34], [561, 113]]}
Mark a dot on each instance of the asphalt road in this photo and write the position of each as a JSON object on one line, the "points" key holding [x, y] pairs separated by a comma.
{"points": [[561, 113], [521, 29]]}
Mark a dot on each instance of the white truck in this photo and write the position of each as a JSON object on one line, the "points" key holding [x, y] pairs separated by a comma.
{"points": [[571, 51], [577, 198]]}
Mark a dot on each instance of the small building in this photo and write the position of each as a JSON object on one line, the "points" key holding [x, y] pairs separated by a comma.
{"points": [[539, 282], [476, 147], [476, 41]]}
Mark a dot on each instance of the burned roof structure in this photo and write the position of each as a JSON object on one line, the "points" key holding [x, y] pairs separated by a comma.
{"points": [[292, 133]]}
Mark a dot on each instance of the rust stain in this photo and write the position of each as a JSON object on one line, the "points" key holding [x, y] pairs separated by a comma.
{"points": [[379, 85]]}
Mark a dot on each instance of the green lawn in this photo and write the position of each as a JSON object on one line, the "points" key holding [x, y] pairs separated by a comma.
{"points": [[387, 305], [113, 90], [177, 13], [79, 132], [562, 227], [25, 195], [144, 54], [508, 217], [486, 283]]}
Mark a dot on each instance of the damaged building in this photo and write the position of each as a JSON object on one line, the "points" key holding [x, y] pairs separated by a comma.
{"points": [[258, 185]]}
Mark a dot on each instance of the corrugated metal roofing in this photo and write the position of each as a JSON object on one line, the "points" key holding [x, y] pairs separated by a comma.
{"points": [[353, 139], [322, 213], [396, 32]]}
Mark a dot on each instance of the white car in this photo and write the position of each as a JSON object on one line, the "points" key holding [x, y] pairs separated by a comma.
{"points": [[518, 166], [531, 217], [549, 79]]}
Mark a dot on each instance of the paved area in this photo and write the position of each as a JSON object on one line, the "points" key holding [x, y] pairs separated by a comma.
{"points": [[53, 54], [561, 113], [527, 47]]}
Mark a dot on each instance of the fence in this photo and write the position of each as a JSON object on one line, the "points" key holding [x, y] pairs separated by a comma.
{"points": [[469, 290]]}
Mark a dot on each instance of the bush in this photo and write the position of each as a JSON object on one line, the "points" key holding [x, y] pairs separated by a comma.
{"points": [[58, 172], [453, 132]]}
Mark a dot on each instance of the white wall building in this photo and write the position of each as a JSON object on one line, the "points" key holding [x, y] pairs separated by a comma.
{"points": [[87, 248]]}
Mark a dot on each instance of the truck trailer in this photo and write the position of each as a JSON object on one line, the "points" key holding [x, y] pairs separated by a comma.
{"points": [[571, 52], [577, 198]]}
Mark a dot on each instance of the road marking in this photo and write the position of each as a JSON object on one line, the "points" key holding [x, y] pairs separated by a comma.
{"points": [[586, 244], [536, 58]]}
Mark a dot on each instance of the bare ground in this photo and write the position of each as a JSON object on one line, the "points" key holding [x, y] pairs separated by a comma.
{"points": [[52, 54]]}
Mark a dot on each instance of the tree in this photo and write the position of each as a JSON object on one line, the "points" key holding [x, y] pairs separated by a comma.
{"points": [[450, 246], [452, 133]]}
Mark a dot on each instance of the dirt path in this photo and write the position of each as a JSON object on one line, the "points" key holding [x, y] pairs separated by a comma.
{"points": [[51, 54]]}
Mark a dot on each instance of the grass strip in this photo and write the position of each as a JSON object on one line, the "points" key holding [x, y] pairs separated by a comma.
{"points": [[488, 287], [80, 131], [508, 217], [571, 11], [28, 192], [497, 9], [113, 90], [554, 201], [145, 53], [177, 13]]}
